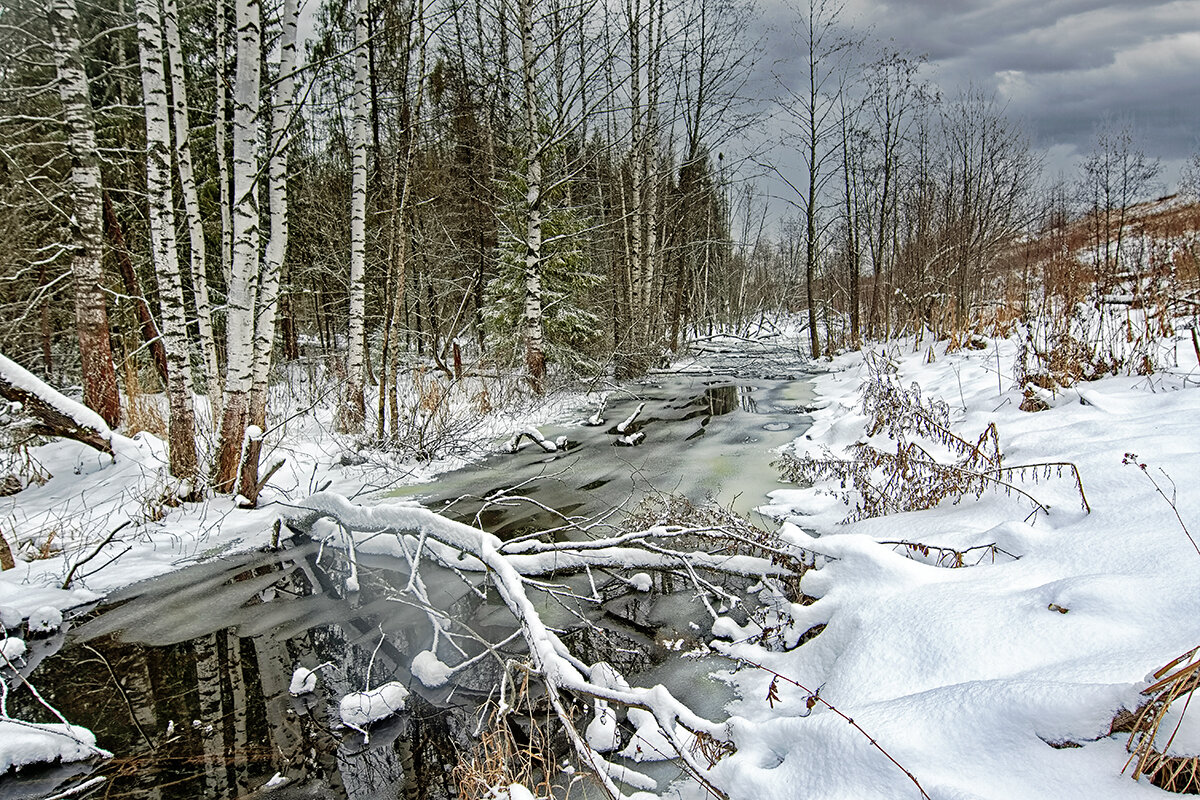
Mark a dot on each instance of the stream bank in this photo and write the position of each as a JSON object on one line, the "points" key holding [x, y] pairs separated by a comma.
{"points": [[185, 677]]}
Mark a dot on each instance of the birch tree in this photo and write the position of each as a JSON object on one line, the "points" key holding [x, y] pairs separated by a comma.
{"points": [[535, 356], [191, 200], [272, 266], [353, 404], [239, 326], [181, 432], [91, 312], [221, 136]]}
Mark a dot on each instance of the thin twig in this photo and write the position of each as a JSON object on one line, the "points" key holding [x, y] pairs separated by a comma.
{"points": [[815, 697]]}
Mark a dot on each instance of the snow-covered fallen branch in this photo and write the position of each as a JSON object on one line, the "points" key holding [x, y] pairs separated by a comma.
{"points": [[626, 425], [535, 436], [561, 671], [54, 413]]}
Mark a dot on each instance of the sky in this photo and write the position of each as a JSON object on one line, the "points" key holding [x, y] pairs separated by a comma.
{"points": [[1060, 66]]}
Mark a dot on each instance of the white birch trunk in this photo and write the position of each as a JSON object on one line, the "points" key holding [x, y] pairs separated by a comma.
{"points": [[191, 202], [239, 325], [637, 180], [181, 425], [272, 267], [535, 356], [222, 140], [91, 313], [651, 308], [354, 405]]}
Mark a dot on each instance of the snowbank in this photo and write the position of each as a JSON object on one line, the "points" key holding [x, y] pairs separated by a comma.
{"points": [[25, 743], [1001, 679]]}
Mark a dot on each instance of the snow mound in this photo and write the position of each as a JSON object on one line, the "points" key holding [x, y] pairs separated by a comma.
{"points": [[25, 743], [46, 619], [12, 648], [360, 709], [602, 734], [303, 681], [429, 670]]}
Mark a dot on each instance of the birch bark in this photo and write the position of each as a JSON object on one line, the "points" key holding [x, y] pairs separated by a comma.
{"points": [[91, 313], [354, 405], [239, 326], [221, 134], [181, 427], [535, 356], [276, 249], [191, 201]]}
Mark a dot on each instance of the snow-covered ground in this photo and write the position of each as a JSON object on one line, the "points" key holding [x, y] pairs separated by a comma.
{"points": [[1002, 679], [997, 680], [94, 523]]}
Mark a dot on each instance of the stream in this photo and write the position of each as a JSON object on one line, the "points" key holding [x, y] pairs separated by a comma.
{"points": [[185, 677]]}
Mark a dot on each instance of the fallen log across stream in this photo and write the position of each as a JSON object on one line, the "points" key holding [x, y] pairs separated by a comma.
{"points": [[415, 534], [53, 413]]}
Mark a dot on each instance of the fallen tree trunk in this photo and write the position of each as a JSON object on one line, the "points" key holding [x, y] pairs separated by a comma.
{"points": [[422, 533], [133, 288], [54, 413]]}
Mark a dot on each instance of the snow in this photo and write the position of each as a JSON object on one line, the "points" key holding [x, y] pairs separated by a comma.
{"points": [[1179, 732], [602, 734], [275, 781], [303, 681], [360, 709], [972, 679], [25, 743], [52, 526], [10, 617], [968, 676], [24, 380], [429, 670], [46, 619], [11, 649]]}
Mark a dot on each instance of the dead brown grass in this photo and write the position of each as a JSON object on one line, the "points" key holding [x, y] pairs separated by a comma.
{"points": [[1151, 738], [142, 411], [913, 478]]}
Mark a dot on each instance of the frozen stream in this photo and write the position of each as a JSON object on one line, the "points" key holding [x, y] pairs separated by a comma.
{"points": [[185, 677]]}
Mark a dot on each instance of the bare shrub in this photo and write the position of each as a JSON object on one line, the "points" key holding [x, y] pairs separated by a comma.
{"points": [[912, 478], [1156, 726]]}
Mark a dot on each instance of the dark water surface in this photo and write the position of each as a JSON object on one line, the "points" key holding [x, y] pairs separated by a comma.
{"points": [[185, 677]]}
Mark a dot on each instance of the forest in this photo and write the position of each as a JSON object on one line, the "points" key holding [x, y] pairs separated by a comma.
{"points": [[193, 196], [267, 266]]}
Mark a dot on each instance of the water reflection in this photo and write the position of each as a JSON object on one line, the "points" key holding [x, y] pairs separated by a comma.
{"points": [[210, 716], [729, 397], [186, 677]]}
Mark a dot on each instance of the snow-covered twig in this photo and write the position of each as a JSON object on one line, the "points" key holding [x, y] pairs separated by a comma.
{"points": [[814, 697], [548, 654]]}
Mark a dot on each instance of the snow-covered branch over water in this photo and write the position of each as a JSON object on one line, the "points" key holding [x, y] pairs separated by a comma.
{"points": [[676, 724]]}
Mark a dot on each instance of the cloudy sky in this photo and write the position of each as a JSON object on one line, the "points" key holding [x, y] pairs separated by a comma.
{"points": [[1061, 66]]}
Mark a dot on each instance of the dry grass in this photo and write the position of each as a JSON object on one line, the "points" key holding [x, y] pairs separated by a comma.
{"points": [[142, 411], [1154, 729], [912, 478], [507, 754]]}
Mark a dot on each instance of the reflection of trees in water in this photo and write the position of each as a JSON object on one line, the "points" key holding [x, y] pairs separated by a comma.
{"points": [[212, 717], [212, 733]]}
